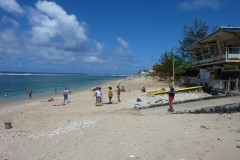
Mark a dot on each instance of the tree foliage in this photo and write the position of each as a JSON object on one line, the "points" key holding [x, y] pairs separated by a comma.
{"points": [[186, 69], [192, 34], [165, 66], [184, 66]]}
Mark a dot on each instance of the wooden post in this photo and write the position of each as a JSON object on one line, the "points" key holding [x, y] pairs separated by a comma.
{"points": [[173, 66]]}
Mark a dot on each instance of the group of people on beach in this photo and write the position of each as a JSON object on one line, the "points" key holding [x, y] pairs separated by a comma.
{"points": [[99, 96]]}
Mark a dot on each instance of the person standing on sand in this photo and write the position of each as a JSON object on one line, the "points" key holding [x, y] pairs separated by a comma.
{"points": [[99, 97], [65, 95], [110, 95], [171, 93], [118, 92]]}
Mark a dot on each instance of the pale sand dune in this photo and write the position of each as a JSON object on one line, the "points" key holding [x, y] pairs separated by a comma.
{"points": [[80, 130]]}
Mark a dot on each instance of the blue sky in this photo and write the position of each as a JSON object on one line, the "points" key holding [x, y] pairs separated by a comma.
{"points": [[100, 36]]}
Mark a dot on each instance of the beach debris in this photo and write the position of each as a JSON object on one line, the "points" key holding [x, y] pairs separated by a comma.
{"points": [[8, 125], [132, 156], [137, 106], [221, 140], [94, 88], [139, 100], [64, 128], [205, 127]]}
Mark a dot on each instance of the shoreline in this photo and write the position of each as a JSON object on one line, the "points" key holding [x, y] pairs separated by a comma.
{"points": [[58, 94]]}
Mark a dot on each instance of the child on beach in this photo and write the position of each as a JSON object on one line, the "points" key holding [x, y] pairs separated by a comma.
{"points": [[110, 95], [143, 89], [99, 97], [171, 93]]}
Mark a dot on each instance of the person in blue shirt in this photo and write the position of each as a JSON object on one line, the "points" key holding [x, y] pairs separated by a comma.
{"points": [[171, 93]]}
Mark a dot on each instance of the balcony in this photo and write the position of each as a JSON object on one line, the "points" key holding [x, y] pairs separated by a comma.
{"points": [[228, 54]]}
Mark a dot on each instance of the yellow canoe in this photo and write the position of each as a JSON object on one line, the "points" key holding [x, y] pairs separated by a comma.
{"points": [[157, 91], [178, 90]]}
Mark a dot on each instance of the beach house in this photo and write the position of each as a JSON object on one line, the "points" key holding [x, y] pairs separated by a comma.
{"points": [[218, 57]]}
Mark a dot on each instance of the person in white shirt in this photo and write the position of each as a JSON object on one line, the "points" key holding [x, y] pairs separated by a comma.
{"points": [[65, 94], [99, 97]]}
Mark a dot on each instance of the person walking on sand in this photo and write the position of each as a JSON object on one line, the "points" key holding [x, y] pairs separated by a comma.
{"points": [[118, 93], [171, 93], [110, 95], [99, 97], [65, 95]]}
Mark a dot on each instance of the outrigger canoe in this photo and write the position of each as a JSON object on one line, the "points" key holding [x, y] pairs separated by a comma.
{"points": [[178, 90], [157, 91]]}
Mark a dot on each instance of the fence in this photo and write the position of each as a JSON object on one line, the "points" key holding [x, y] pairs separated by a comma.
{"points": [[228, 85]]}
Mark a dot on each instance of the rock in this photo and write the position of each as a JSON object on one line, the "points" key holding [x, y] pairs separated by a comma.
{"points": [[205, 127], [221, 140]]}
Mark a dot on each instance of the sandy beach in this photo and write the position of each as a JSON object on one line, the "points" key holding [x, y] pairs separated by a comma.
{"points": [[81, 131]]}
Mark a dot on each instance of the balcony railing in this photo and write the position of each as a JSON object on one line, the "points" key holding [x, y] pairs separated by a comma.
{"points": [[227, 54]]}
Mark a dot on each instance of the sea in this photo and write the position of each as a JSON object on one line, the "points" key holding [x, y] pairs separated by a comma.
{"points": [[18, 84]]}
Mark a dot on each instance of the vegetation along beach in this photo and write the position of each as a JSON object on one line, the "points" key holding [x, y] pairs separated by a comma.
{"points": [[119, 80]]}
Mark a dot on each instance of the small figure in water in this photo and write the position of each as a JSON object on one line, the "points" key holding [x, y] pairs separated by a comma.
{"points": [[55, 90], [30, 94], [6, 93]]}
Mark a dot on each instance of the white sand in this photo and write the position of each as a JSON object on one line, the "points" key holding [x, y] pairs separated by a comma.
{"points": [[80, 130]]}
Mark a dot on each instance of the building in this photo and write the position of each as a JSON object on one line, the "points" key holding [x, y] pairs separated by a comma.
{"points": [[218, 57]]}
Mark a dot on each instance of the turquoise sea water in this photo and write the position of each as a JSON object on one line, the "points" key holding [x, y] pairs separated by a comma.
{"points": [[17, 84]]}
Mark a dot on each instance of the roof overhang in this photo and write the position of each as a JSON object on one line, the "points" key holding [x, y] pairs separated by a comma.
{"points": [[222, 34]]}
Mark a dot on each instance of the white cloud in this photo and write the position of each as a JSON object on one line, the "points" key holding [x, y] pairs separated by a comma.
{"points": [[9, 20], [56, 38], [122, 42], [55, 34], [9, 42], [123, 52], [199, 4], [50, 23], [92, 59], [11, 6]]}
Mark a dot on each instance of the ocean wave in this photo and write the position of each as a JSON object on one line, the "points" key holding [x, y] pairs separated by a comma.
{"points": [[113, 75], [24, 74]]}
